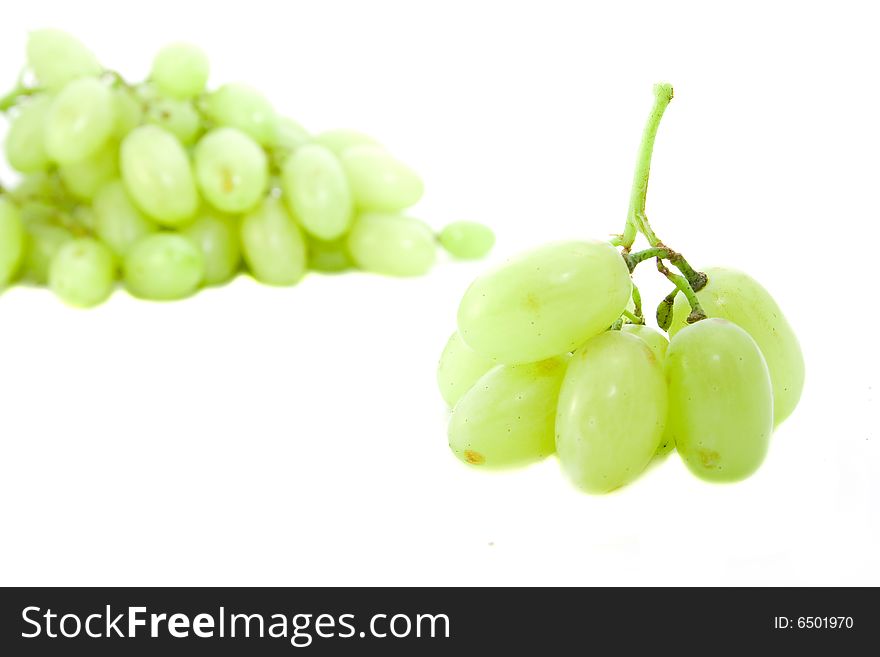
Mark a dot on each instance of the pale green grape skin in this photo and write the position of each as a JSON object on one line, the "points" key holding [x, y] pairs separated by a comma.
{"points": [[328, 257], [231, 169], [272, 244], [128, 112], [180, 70], [217, 236], [315, 188], [35, 187], [341, 140], [379, 182], [83, 217], [83, 179], [118, 222], [164, 267], [158, 176], [179, 117], [80, 121], [25, 143], [12, 241], [290, 135], [459, 369], [545, 302], [739, 298], [392, 244], [507, 418], [720, 400], [657, 342], [611, 413], [57, 58], [43, 242], [240, 106], [83, 273], [467, 240]]}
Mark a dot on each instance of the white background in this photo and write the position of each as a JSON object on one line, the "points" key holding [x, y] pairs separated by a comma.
{"points": [[268, 436]]}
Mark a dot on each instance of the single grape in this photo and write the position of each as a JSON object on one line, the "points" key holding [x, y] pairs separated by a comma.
{"points": [[231, 170], [459, 369], [83, 179], [739, 298], [157, 174], [656, 341], [328, 257], [83, 273], [392, 244], [341, 140], [545, 302], [180, 70], [163, 267], [12, 241], [290, 135], [80, 120], [128, 111], [612, 411], [720, 400], [467, 240], [25, 142], [507, 418], [378, 181], [217, 236], [179, 117], [43, 240], [57, 58], [240, 106], [315, 189], [272, 244], [118, 222]]}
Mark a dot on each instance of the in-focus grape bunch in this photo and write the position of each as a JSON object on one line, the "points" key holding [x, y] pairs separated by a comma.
{"points": [[169, 186], [553, 355]]}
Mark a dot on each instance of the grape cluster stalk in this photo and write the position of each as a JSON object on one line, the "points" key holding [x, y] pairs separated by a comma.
{"points": [[553, 354], [170, 187]]}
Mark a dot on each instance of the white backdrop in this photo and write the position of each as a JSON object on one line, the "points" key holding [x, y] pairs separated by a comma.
{"points": [[295, 436]]}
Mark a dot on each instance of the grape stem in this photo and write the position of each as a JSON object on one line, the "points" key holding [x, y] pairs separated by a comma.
{"points": [[633, 319], [637, 302], [697, 312], [696, 279], [10, 99]]}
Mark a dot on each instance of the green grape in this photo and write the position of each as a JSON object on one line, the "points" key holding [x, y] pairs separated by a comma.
{"points": [[39, 212], [179, 117], [378, 181], [180, 70], [118, 222], [612, 410], [163, 267], [231, 170], [25, 144], [57, 58], [314, 186], [128, 112], [328, 257], [720, 400], [36, 186], [392, 244], [83, 179], [467, 240], [43, 242], [546, 302], [460, 368], [290, 135], [341, 140], [83, 218], [739, 298], [272, 244], [240, 106], [80, 120], [83, 273], [157, 174], [12, 241], [217, 236], [656, 341], [507, 418]]}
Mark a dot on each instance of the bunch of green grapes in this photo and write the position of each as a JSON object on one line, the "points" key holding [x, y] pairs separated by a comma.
{"points": [[169, 186], [552, 355]]}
